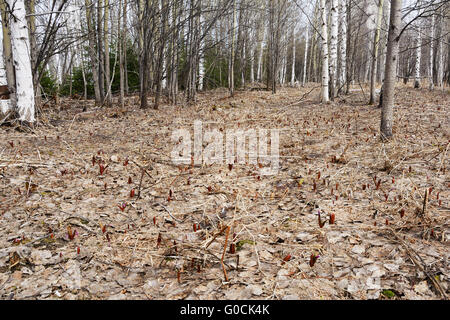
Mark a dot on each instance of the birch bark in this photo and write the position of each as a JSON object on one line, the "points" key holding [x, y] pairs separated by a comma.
{"points": [[387, 116], [293, 58], [260, 54], [306, 57], [440, 53], [343, 44], [108, 97], [376, 45], [333, 46], [418, 60], [324, 35], [201, 62], [20, 44], [232, 53], [92, 53], [431, 65]]}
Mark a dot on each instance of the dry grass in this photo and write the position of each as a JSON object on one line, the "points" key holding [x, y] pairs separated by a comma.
{"points": [[49, 182]]}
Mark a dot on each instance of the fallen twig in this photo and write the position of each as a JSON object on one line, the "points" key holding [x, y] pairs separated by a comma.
{"points": [[224, 251], [414, 258]]}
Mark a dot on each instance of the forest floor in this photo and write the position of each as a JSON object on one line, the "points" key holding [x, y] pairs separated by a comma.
{"points": [[69, 231]]}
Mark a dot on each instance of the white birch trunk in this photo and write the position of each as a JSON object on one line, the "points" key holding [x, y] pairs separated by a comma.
{"points": [[293, 58], [232, 53], [120, 34], [163, 72], [368, 59], [440, 71], [244, 53], [20, 47], [108, 97], [260, 56], [324, 35], [201, 62], [343, 46], [418, 60], [252, 64], [376, 44], [388, 9], [281, 71], [333, 46], [430, 66], [306, 57], [387, 113]]}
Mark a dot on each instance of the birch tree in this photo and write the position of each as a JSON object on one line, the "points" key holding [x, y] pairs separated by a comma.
{"points": [[92, 51], [440, 53], [418, 59], [343, 44], [252, 60], [30, 7], [324, 35], [333, 46], [293, 57], [431, 57], [387, 111], [20, 49], [349, 65], [100, 49], [121, 47], [232, 51], [108, 97], [306, 57], [376, 45], [201, 63], [262, 35], [125, 44]]}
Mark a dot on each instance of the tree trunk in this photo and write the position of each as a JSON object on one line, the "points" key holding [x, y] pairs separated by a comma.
{"points": [[431, 64], [252, 63], [5, 104], [440, 71], [342, 78], [173, 86], [20, 44], [259, 71], [100, 53], [293, 58], [31, 10], [349, 67], [243, 63], [92, 52], [232, 53], [324, 35], [125, 44], [306, 57], [390, 73], [201, 62], [120, 45], [383, 60], [143, 57], [376, 45], [418, 60], [333, 46], [107, 61], [161, 52], [312, 60], [7, 58]]}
